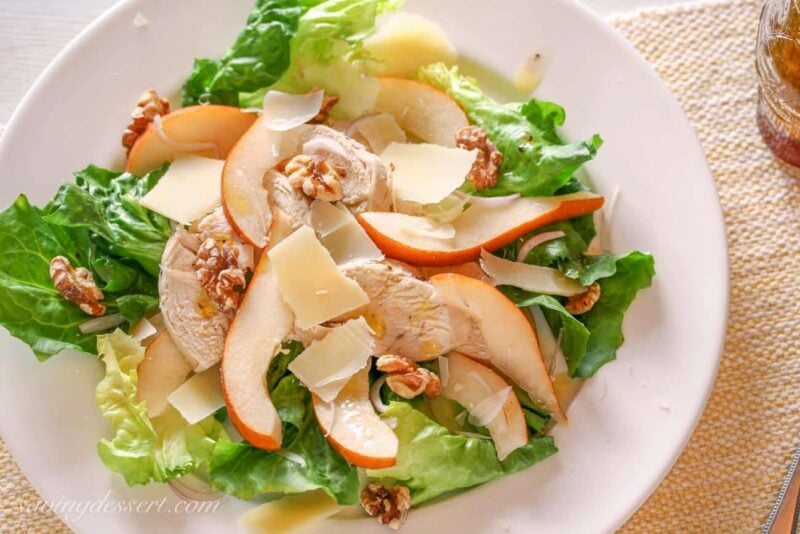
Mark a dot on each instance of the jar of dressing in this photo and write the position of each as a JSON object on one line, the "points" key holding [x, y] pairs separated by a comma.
{"points": [[778, 72]]}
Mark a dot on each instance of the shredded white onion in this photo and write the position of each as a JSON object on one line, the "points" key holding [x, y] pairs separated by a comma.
{"points": [[472, 435], [551, 366], [292, 457], [333, 419], [98, 324], [375, 395], [536, 278], [178, 146], [444, 370], [324, 144], [485, 411], [535, 241], [284, 111], [493, 202], [191, 488]]}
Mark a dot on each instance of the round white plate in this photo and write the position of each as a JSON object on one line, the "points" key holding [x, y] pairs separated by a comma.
{"points": [[627, 426]]}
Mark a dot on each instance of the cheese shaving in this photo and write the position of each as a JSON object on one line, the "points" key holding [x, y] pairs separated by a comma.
{"points": [[284, 111], [485, 411], [535, 278], [198, 397]]}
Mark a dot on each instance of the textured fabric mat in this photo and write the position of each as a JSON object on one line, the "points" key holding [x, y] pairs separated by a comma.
{"points": [[731, 471]]}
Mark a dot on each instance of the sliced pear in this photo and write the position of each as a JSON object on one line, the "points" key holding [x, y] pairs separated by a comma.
{"points": [[162, 371], [504, 338], [480, 226], [352, 427], [261, 324], [221, 126], [486, 395], [421, 110]]}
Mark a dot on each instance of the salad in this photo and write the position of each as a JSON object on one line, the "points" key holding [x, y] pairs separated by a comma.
{"points": [[340, 277]]}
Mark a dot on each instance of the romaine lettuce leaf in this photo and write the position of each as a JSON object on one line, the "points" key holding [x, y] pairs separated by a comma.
{"points": [[535, 163], [258, 57], [96, 223], [591, 340], [144, 450], [246, 471], [432, 461]]}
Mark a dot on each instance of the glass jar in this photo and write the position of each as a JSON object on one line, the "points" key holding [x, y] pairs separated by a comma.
{"points": [[778, 71]]}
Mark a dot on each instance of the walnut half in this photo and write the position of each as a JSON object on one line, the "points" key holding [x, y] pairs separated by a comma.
{"points": [[315, 177], [584, 302], [486, 168], [218, 271], [406, 378], [76, 285], [388, 506], [147, 107]]}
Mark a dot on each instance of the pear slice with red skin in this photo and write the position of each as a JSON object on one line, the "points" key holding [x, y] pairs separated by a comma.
{"points": [[471, 383], [261, 324], [508, 341], [221, 126], [163, 369], [352, 427], [480, 226]]}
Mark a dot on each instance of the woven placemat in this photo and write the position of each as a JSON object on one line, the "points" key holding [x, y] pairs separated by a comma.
{"points": [[730, 473]]}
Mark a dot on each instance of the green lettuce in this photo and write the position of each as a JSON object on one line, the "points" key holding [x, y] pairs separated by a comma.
{"points": [[144, 450], [591, 340], [97, 223], [257, 59], [432, 461], [327, 53], [245, 471], [536, 162]]}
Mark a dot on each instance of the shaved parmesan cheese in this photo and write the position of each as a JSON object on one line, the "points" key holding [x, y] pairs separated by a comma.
{"points": [[284, 111], [199, 397], [548, 343], [290, 513], [327, 365], [427, 173], [376, 131], [143, 330], [534, 278], [485, 411], [188, 190], [341, 234], [309, 281], [425, 227]]}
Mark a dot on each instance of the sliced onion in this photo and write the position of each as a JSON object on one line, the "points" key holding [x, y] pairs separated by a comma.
{"points": [[325, 144], [284, 111], [376, 131], [191, 488], [292, 457], [375, 395], [535, 241], [485, 411], [535, 278], [492, 202], [472, 435], [178, 146], [98, 324], [444, 370]]}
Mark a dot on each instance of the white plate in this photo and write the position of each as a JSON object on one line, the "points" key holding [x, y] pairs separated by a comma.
{"points": [[626, 428]]}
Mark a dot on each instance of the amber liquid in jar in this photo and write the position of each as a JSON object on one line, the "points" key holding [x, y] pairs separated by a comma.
{"points": [[778, 69]]}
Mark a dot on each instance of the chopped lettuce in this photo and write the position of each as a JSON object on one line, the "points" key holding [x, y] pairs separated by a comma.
{"points": [[327, 53], [97, 223], [432, 461], [293, 45], [246, 471], [144, 450], [257, 59], [591, 340], [535, 163]]}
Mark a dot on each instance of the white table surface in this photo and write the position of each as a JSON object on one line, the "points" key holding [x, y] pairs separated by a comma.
{"points": [[32, 32]]}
